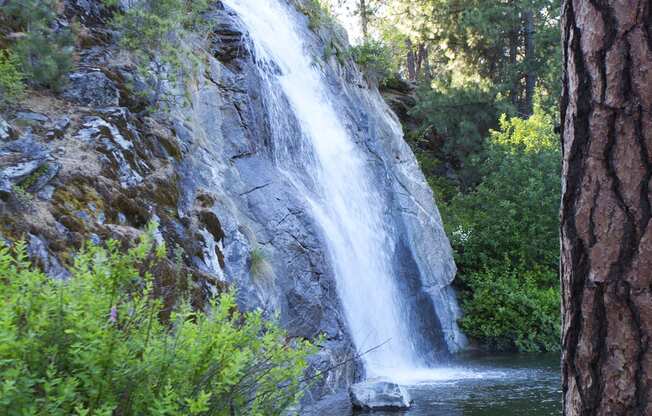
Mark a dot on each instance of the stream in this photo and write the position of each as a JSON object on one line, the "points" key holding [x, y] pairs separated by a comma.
{"points": [[496, 385]]}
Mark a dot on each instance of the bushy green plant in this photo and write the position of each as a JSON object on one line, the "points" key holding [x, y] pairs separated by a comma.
{"points": [[461, 114], [158, 35], [11, 79], [43, 49], [374, 59], [505, 237], [510, 308], [318, 12], [95, 345], [513, 212], [259, 266]]}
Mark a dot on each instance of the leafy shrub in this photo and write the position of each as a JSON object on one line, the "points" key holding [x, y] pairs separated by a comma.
{"points": [[43, 48], [509, 308], [11, 78], [505, 236], [157, 34], [374, 59], [318, 13], [513, 213], [462, 114], [94, 345], [259, 266]]}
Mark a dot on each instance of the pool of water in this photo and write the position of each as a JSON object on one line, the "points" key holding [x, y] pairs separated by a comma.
{"points": [[504, 385]]}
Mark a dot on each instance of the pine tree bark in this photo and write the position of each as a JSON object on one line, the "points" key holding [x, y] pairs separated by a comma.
{"points": [[513, 59], [410, 61], [530, 74], [513, 51], [606, 232], [364, 19]]}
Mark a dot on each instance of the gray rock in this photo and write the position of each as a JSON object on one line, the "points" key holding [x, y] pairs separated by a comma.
{"points": [[113, 136], [41, 256], [30, 118], [6, 132], [227, 148], [46, 193], [59, 128], [378, 395], [338, 404], [92, 89], [46, 172], [18, 160], [89, 11]]}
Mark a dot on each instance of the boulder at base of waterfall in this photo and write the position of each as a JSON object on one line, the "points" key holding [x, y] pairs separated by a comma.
{"points": [[377, 394]]}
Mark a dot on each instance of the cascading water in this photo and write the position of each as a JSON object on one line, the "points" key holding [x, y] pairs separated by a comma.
{"points": [[331, 174]]}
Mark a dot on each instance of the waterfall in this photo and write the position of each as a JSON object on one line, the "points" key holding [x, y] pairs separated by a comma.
{"points": [[320, 158]]}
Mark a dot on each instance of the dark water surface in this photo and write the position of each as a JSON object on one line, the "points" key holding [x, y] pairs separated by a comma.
{"points": [[505, 385]]}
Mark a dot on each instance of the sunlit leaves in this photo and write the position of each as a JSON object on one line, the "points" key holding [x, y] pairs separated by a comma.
{"points": [[95, 344]]}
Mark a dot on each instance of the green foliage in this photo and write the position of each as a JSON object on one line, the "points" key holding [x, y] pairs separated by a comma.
{"points": [[158, 33], [259, 265], [462, 114], [374, 59], [22, 197], [43, 48], [12, 84], [479, 38], [471, 60], [30, 180], [318, 13], [510, 308], [94, 345], [505, 237], [512, 214]]}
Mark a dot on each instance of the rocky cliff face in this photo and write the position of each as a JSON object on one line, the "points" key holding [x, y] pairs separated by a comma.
{"points": [[88, 163]]}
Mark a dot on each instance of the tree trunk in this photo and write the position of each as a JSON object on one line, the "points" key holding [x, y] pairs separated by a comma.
{"points": [[606, 232], [530, 75], [411, 64], [427, 72], [364, 20], [513, 51]]}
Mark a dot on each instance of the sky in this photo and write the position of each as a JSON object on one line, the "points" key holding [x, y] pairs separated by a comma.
{"points": [[343, 10]]}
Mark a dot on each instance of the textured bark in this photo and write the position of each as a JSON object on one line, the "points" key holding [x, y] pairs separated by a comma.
{"points": [[364, 19], [411, 61], [530, 74], [513, 59], [606, 232]]}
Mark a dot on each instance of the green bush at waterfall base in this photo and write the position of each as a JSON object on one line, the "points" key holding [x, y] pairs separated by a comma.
{"points": [[512, 308], [96, 345], [505, 236]]}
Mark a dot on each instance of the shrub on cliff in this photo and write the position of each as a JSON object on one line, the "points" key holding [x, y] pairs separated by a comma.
{"points": [[374, 59], [11, 79], [95, 345], [318, 12], [42, 46], [158, 33]]}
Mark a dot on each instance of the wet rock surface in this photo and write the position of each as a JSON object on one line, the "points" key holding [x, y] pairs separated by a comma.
{"points": [[379, 395]]}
